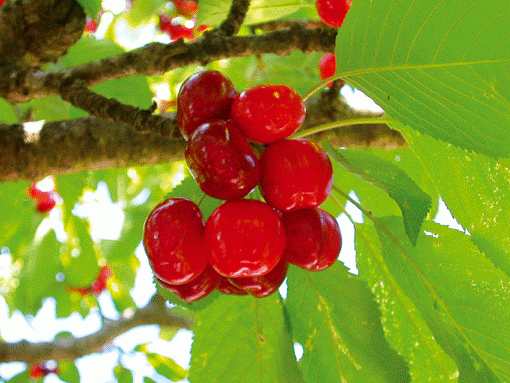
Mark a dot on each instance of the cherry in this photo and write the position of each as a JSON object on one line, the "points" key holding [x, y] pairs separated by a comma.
{"points": [[175, 29], [267, 113], [173, 240], [245, 238], [197, 288], [46, 199], [266, 284], [222, 161], [91, 25], [312, 238], [327, 66], [333, 12], [99, 285], [39, 371], [226, 286], [186, 8], [203, 97], [295, 174]]}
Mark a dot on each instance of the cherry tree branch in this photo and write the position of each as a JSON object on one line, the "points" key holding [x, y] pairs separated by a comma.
{"points": [[230, 26], [71, 348]]}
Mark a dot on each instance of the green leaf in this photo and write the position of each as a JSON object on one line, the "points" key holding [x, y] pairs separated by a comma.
{"points": [[405, 329], [68, 372], [475, 189], [167, 367], [123, 375], [7, 112], [213, 12], [92, 7], [458, 291], [334, 316], [243, 339], [412, 201], [437, 66]]}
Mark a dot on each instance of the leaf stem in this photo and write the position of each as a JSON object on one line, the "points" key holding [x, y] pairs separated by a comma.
{"points": [[340, 123]]}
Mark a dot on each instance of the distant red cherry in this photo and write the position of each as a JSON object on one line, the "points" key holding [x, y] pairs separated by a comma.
{"points": [[295, 174], [226, 286], [266, 284], [312, 238], [46, 205], [203, 97], [91, 25], [1, 2], [333, 12], [186, 8], [222, 161], [99, 285], [267, 113], [46, 199], [174, 241], [197, 288], [245, 238], [327, 66]]}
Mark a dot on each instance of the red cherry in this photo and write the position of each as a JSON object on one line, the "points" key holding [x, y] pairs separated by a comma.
{"points": [[222, 161], [312, 238], [245, 238], [45, 206], [197, 288], [186, 8], [80, 290], [327, 66], [226, 286], [99, 285], [295, 174], [203, 97], [173, 240], [37, 371], [91, 25], [267, 113], [266, 284], [1, 2], [333, 12]]}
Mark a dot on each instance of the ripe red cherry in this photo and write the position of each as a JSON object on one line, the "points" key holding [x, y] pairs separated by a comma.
{"points": [[266, 284], [99, 285], [46, 199], [295, 174], [203, 97], [173, 240], [245, 238], [312, 238], [327, 66], [333, 12], [267, 113], [186, 8], [227, 287], [196, 289], [222, 161]]}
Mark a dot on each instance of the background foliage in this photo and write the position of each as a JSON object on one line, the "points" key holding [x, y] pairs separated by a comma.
{"points": [[430, 303]]}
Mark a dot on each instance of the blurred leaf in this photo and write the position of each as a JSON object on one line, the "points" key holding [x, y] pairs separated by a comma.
{"points": [[122, 374], [243, 339], [405, 329], [167, 367], [146, 379], [334, 316], [142, 10], [20, 378], [7, 112], [92, 7], [213, 12], [437, 66], [458, 291], [412, 201], [68, 372]]}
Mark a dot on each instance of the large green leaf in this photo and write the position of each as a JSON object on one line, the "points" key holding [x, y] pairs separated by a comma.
{"points": [[243, 339], [334, 316], [412, 201], [458, 291], [405, 329], [439, 66], [475, 189], [213, 12]]}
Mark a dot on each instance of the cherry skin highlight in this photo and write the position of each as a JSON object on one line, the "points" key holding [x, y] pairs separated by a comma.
{"points": [[295, 174], [266, 284], [267, 113], [174, 241], [198, 288], [333, 12], [222, 161], [312, 238], [226, 286], [245, 238], [203, 97]]}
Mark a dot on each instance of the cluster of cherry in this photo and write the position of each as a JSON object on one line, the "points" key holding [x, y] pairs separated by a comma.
{"points": [[246, 244]]}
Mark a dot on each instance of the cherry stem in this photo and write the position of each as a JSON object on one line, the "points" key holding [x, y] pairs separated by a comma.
{"points": [[340, 123], [342, 207], [318, 87], [348, 198]]}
